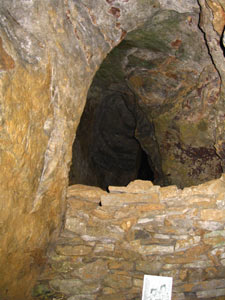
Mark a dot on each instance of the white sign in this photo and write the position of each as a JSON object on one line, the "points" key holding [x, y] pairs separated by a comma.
{"points": [[157, 288]]}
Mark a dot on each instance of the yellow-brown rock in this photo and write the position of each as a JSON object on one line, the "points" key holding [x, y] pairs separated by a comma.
{"points": [[49, 53], [111, 247]]}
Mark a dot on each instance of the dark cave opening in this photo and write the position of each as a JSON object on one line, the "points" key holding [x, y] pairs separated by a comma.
{"points": [[163, 131], [145, 172], [107, 149]]}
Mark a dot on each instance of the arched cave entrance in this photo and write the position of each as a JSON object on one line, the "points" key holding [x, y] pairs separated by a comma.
{"points": [[109, 142], [156, 93]]}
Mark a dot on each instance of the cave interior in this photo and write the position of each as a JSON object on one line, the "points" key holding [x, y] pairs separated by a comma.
{"points": [[150, 111]]}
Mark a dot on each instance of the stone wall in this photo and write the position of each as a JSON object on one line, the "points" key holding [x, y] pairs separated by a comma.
{"points": [[110, 240], [49, 53]]}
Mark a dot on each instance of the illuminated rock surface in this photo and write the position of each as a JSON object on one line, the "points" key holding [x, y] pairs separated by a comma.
{"points": [[104, 251], [49, 54]]}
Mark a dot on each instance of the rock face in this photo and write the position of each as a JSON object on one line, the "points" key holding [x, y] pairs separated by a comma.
{"points": [[167, 66], [104, 251], [49, 53]]}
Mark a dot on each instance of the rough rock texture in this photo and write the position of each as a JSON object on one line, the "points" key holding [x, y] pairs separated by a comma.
{"points": [[212, 22], [104, 251], [167, 65], [49, 53]]}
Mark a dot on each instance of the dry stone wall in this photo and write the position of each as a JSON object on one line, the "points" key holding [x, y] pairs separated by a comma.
{"points": [[110, 240]]}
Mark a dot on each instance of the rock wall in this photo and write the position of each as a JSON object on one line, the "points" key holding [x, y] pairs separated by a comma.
{"points": [[166, 63], [49, 53], [104, 251]]}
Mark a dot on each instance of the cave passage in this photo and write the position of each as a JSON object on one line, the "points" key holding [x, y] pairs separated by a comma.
{"points": [[145, 172], [150, 109], [108, 139]]}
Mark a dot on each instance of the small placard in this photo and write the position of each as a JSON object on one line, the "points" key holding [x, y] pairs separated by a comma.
{"points": [[157, 288]]}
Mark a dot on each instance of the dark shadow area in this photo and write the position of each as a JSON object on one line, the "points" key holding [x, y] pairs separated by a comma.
{"points": [[222, 41], [145, 172], [107, 150]]}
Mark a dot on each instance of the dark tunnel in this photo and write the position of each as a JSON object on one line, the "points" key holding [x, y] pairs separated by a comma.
{"points": [[111, 145]]}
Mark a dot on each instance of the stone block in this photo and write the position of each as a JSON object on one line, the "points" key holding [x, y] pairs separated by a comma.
{"points": [[108, 291], [74, 286], [104, 248], [215, 234], [139, 234], [128, 198], [136, 187], [149, 267], [169, 192], [180, 223], [211, 187], [139, 209], [161, 236], [215, 238], [211, 294], [223, 262], [178, 259], [195, 274], [184, 244], [138, 282], [121, 265], [209, 285], [201, 264], [74, 205], [90, 193], [105, 232], [76, 250], [93, 271], [209, 225], [66, 265], [220, 200], [183, 287], [201, 201], [178, 296], [168, 267], [102, 214], [126, 253], [118, 281], [77, 225], [155, 249]]}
